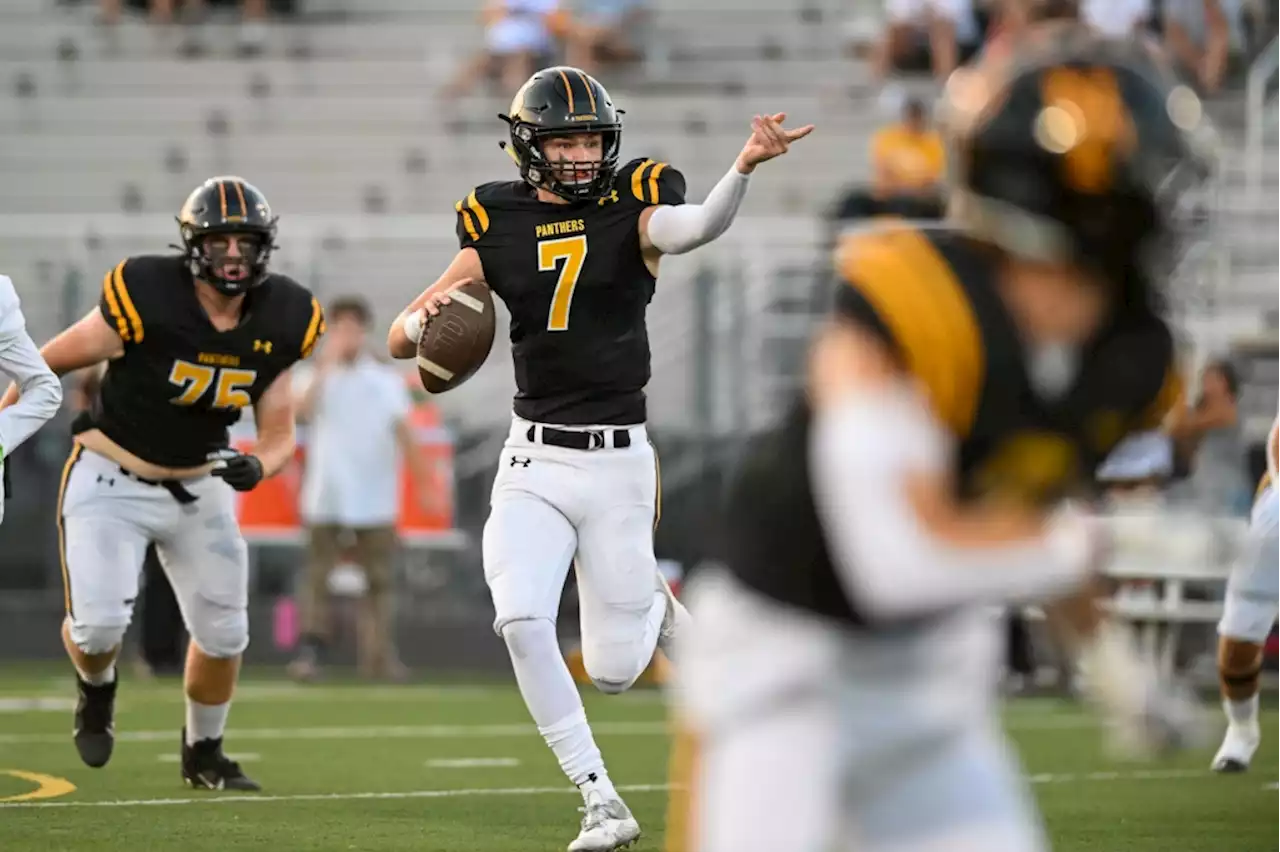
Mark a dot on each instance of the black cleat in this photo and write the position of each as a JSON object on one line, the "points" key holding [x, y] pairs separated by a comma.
{"points": [[205, 767], [95, 733]]}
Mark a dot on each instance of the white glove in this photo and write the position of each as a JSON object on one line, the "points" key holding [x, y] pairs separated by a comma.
{"points": [[1147, 717]]}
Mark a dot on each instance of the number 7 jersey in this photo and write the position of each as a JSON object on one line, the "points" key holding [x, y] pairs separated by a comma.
{"points": [[576, 285]]}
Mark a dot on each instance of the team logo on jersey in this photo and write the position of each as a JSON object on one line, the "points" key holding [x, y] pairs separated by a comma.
{"points": [[611, 198], [263, 346]]}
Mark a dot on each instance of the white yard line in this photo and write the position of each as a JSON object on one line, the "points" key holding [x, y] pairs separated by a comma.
{"points": [[243, 757], [374, 732], [473, 763], [218, 799]]}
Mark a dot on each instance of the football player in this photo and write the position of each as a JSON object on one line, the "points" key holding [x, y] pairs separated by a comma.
{"points": [[189, 339], [21, 362], [839, 681], [572, 248], [1249, 612]]}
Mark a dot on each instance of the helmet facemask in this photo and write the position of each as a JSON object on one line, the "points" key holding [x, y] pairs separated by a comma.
{"points": [[572, 180], [209, 254]]}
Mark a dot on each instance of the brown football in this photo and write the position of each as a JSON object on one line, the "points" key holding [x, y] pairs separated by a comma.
{"points": [[455, 343]]}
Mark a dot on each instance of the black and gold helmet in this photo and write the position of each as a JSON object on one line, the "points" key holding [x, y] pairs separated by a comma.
{"points": [[1075, 148], [563, 101], [218, 208]]}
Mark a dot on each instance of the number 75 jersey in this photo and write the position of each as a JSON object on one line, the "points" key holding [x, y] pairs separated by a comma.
{"points": [[576, 286]]}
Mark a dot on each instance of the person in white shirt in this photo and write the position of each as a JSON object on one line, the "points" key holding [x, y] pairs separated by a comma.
{"points": [[357, 409], [20, 360]]}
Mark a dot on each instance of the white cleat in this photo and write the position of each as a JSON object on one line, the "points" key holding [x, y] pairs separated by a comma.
{"points": [[674, 622], [606, 825], [1237, 748]]}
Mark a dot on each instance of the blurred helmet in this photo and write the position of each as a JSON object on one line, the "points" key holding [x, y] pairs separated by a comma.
{"points": [[1079, 149], [225, 206], [563, 101]]}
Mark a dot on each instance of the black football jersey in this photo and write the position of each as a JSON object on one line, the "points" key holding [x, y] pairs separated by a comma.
{"points": [[932, 298], [576, 286], [181, 383]]}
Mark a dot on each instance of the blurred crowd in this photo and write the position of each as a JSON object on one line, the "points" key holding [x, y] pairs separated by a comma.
{"points": [[1207, 39]]}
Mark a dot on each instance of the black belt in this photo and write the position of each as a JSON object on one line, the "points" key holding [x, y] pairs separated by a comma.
{"points": [[589, 439], [173, 486]]}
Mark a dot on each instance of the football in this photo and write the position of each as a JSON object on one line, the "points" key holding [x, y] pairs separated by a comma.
{"points": [[456, 342]]}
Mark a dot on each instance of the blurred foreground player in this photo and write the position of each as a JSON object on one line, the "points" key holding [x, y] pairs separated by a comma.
{"points": [[190, 339], [1249, 611], [839, 675], [21, 362], [573, 249]]}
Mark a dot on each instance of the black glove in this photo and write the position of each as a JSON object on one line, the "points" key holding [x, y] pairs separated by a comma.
{"points": [[241, 471]]}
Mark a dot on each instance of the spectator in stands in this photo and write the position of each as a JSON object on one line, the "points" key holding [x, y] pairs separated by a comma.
{"points": [[1200, 35], [908, 158], [1208, 443], [603, 32], [1116, 18], [941, 25], [356, 409], [252, 31], [519, 37]]}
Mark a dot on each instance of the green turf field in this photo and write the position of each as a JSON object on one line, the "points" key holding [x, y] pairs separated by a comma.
{"points": [[459, 768]]}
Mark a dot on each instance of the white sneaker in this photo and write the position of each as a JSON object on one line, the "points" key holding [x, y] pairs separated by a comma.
{"points": [[1237, 749], [606, 825], [674, 622]]}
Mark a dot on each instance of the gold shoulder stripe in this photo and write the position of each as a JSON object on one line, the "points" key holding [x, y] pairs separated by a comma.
{"points": [[637, 180], [653, 181], [113, 304], [135, 321], [314, 329], [467, 221], [924, 307], [482, 215]]}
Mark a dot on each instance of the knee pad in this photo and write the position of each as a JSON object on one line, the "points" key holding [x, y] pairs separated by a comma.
{"points": [[95, 639], [529, 636], [611, 671], [1239, 667], [219, 631]]}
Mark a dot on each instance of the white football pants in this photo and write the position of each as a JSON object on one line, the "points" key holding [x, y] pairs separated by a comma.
{"points": [[594, 509], [812, 737], [106, 519], [1249, 609]]}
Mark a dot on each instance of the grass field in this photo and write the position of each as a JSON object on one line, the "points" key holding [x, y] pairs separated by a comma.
{"points": [[459, 768]]}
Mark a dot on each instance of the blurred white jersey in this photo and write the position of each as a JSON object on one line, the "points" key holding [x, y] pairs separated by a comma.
{"points": [[41, 393], [857, 729]]}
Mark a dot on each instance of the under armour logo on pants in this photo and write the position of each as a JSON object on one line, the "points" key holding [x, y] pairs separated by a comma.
{"points": [[520, 461]]}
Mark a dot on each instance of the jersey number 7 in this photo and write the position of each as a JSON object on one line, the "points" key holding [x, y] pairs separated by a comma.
{"points": [[195, 379], [573, 251]]}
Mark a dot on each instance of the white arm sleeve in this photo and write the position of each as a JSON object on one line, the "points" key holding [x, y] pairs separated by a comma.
{"points": [[41, 392], [861, 452], [681, 228]]}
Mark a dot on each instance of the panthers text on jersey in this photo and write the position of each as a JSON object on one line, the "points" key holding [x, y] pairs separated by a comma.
{"points": [[577, 288], [932, 298], [181, 383]]}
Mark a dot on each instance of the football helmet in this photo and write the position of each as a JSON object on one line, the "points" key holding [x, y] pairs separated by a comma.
{"points": [[561, 101], [1080, 149], [223, 206]]}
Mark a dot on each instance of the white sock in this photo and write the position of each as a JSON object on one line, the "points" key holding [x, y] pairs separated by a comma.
{"points": [[1243, 713], [575, 748], [552, 698], [102, 678], [206, 721], [598, 782]]}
